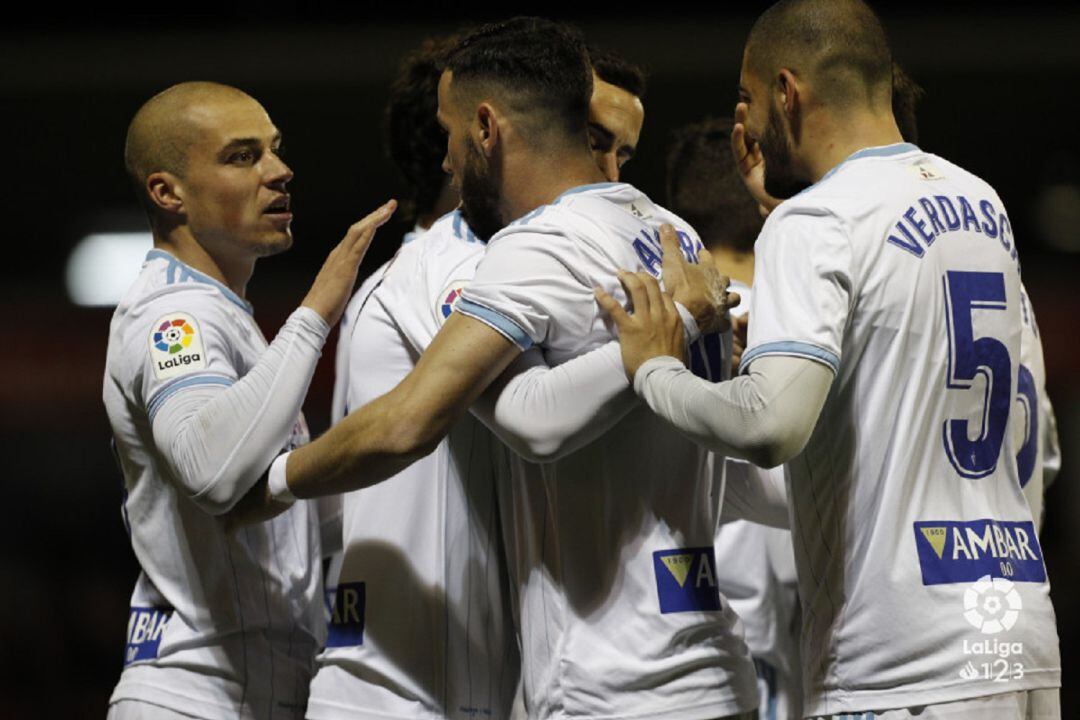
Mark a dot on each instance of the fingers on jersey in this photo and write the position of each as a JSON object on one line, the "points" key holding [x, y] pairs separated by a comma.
{"points": [[700, 287], [654, 329]]}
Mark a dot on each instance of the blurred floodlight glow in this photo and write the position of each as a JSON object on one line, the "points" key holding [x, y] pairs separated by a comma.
{"points": [[104, 265]]}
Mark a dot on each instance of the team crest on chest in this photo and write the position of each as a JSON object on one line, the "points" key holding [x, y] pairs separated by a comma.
{"points": [[449, 298], [176, 345]]}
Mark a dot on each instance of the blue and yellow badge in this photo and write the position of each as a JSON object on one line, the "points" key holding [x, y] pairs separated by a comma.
{"points": [[145, 627], [345, 611], [958, 552], [686, 580]]}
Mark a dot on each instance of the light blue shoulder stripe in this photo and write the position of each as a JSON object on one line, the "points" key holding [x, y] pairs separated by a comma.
{"points": [[170, 389], [179, 272], [794, 349], [584, 188], [497, 321]]}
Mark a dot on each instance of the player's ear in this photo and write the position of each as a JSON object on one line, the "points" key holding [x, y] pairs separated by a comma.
{"points": [[788, 90], [488, 128], [165, 191]]}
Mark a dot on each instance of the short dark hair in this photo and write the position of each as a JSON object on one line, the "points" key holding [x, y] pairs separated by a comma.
{"points": [[841, 44], [539, 67], [906, 94], [415, 142], [616, 70], [704, 187]]}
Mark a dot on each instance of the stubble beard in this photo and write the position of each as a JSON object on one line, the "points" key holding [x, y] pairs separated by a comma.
{"points": [[479, 196], [781, 181]]}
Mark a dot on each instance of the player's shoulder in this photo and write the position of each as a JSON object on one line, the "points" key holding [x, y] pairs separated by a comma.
{"points": [[448, 247], [168, 289], [596, 212]]}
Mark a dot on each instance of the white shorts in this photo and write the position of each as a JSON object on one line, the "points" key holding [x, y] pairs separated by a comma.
{"points": [[1023, 705]]}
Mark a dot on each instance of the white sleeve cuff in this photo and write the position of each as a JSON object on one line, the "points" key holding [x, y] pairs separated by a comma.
{"points": [[279, 487]]}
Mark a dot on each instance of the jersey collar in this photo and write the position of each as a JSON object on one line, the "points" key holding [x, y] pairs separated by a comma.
{"points": [[179, 271], [880, 151]]}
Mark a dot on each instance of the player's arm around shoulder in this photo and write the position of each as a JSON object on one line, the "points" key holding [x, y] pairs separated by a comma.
{"points": [[391, 432]]}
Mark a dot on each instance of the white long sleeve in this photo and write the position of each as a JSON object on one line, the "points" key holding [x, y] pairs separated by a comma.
{"points": [[543, 413], [753, 493], [219, 440], [765, 416]]}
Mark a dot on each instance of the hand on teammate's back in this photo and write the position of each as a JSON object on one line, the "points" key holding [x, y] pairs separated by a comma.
{"points": [[653, 330], [333, 286], [750, 162], [699, 287]]}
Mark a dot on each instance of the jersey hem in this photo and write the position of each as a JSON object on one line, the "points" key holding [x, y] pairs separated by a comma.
{"points": [[321, 709], [868, 701], [201, 707]]}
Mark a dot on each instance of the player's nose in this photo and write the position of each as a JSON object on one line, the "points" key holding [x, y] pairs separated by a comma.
{"points": [[609, 165]]}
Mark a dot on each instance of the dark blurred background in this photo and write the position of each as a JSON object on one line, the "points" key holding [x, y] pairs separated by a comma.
{"points": [[1000, 87]]}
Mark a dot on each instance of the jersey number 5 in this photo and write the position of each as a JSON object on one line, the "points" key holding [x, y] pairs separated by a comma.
{"points": [[969, 357]]}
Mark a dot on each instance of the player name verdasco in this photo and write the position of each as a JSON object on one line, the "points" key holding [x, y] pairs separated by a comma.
{"points": [[930, 217]]}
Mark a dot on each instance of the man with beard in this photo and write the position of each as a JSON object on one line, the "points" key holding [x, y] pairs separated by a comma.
{"points": [[880, 367], [420, 618], [221, 625], [610, 546]]}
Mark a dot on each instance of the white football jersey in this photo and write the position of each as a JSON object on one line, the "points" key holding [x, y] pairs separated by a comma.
{"points": [[221, 625], [755, 568], [919, 565], [1034, 426], [611, 547], [419, 623]]}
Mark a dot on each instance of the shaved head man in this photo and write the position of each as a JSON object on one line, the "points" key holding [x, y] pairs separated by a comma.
{"points": [[222, 625]]}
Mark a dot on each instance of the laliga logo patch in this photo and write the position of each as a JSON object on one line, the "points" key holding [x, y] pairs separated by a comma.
{"points": [[176, 346], [992, 605], [686, 580], [450, 297]]}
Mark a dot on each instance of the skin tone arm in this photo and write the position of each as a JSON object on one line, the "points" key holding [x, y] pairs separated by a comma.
{"points": [[393, 431]]}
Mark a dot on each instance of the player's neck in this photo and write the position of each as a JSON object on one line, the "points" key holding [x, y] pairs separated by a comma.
{"points": [[232, 272], [536, 179], [447, 201], [733, 263], [831, 140]]}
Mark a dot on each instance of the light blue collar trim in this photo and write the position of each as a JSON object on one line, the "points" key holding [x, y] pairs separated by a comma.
{"points": [[586, 188], [880, 151], [189, 273]]}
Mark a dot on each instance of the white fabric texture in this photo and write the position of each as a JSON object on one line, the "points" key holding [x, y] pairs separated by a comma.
{"points": [[219, 440], [898, 271], [221, 625], [603, 540]]}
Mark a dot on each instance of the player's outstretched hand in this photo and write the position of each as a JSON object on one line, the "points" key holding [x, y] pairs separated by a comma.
{"points": [[654, 329], [333, 286], [751, 163], [700, 288]]}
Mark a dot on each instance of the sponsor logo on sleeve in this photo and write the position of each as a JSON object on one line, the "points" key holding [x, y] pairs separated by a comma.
{"points": [[965, 551], [450, 297], [345, 615], [686, 580], [176, 346], [145, 627]]}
